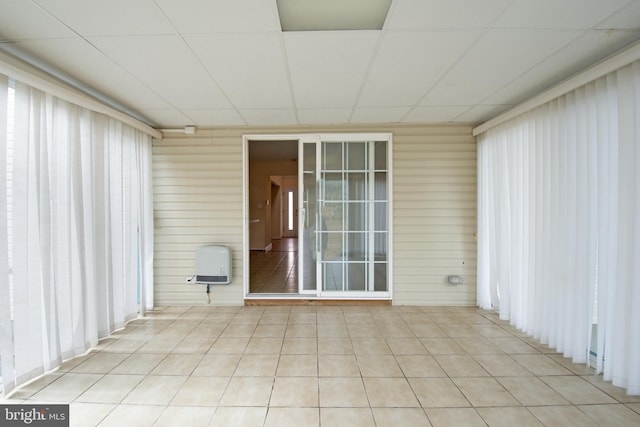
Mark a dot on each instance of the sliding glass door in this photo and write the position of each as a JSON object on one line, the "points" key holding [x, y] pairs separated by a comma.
{"points": [[344, 203]]}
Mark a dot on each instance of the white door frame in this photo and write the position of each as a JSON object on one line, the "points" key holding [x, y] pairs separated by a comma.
{"points": [[245, 213]]}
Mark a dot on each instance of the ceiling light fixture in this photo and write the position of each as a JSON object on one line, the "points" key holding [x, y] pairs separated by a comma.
{"points": [[332, 15]]}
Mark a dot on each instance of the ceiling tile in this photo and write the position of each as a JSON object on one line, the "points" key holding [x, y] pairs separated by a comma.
{"points": [[214, 117], [269, 117], [409, 63], [168, 67], [324, 115], [88, 65], [248, 67], [481, 113], [221, 16], [23, 20], [109, 18], [435, 114], [626, 18], [425, 14], [327, 68], [575, 56], [496, 60], [557, 14], [379, 115], [167, 118]]}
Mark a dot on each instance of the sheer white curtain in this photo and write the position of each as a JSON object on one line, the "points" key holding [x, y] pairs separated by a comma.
{"points": [[82, 240], [559, 223]]}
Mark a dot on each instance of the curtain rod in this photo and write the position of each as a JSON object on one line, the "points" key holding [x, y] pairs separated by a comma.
{"points": [[24, 72], [621, 59]]}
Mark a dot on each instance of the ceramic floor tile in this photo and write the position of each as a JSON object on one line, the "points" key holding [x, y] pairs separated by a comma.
{"points": [[101, 363], [364, 346], [342, 393], [420, 366], [213, 365], [177, 364], [194, 345], [400, 346], [298, 365], [155, 390], [454, 417], [530, 391], [352, 417], [293, 417], [139, 363], [617, 393], [270, 330], [261, 345], [332, 330], [540, 364], [379, 366], [438, 393], [363, 331], [478, 345], [577, 391], [257, 365], [616, 415], [110, 389], [67, 388], [501, 365], [295, 392], [634, 406], [485, 392], [300, 346], [442, 346], [185, 415], [88, 414], [460, 366], [333, 345], [509, 417], [239, 417], [132, 416], [428, 330], [302, 330], [200, 391], [248, 391], [458, 331], [394, 417], [561, 416], [231, 345], [390, 392], [513, 345], [338, 366]]}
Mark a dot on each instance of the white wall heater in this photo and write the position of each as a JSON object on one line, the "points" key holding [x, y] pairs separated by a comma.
{"points": [[213, 265]]}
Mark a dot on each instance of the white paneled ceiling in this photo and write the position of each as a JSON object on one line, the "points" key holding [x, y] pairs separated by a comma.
{"points": [[228, 63]]}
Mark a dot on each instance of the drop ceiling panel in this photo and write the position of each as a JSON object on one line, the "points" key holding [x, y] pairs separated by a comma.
{"points": [[109, 18], [327, 68], [214, 117], [429, 14], [481, 113], [40, 23], [248, 67], [379, 115], [167, 118], [168, 66], [626, 18], [91, 67], [216, 16], [269, 117], [409, 63], [558, 14], [577, 55], [324, 115], [497, 59], [435, 114]]}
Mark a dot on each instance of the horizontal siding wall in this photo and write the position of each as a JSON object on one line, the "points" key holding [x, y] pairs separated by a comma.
{"points": [[434, 196], [198, 200]]}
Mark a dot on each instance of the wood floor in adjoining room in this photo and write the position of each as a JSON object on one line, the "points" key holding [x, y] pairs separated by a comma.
{"points": [[318, 366]]}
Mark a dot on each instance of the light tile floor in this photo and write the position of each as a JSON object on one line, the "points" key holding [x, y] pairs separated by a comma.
{"points": [[328, 366]]}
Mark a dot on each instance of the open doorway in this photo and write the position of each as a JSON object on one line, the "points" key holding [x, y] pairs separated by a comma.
{"points": [[273, 169]]}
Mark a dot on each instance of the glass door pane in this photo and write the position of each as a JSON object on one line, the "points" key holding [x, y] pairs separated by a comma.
{"points": [[352, 216], [308, 216]]}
